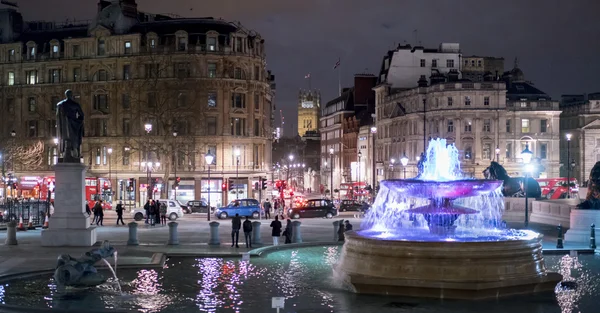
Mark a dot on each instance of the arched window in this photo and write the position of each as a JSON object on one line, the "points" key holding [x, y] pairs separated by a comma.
{"points": [[468, 153], [101, 46]]}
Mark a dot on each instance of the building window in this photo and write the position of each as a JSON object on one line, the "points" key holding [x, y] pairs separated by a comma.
{"points": [[151, 99], [183, 70], [237, 73], [211, 126], [212, 100], [524, 125], [508, 150], [181, 43], [256, 73], [487, 151], [55, 50], [256, 127], [450, 63], [450, 126], [11, 78], [256, 103], [152, 43], [126, 72], [103, 127], [31, 104], [98, 155], [523, 104], [486, 100], [101, 76], [422, 63], [212, 70], [467, 100], [32, 77], [213, 150], [101, 47], [126, 127], [434, 63], [487, 126], [211, 44], [543, 126], [508, 130], [77, 74], [238, 126], [238, 44], [32, 129], [54, 76], [53, 101], [10, 105], [468, 153], [75, 51], [126, 154], [182, 100], [543, 151], [468, 127], [450, 101], [52, 128], [125, 102], [31, 53], [238, 100], [151, 70], [11, 55], [101, 103], [127, 47]]}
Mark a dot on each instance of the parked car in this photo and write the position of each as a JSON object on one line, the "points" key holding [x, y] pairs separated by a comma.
{"points": [[350, 205], [243, 207], [314, 208], [199, 206], [174, 210]]}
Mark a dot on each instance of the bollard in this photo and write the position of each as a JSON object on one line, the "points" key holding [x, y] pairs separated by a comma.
{"points": [[296, 234], [593, 237], [256, 240], [11, 234], [336, 226], [173, 238], [559, 242], [132, 241], [214, 234]]}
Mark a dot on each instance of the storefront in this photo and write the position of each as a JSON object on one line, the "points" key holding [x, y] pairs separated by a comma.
{"points": [[216, 194], [157, 187], [239, 191], [185, 191], [29, 187]]}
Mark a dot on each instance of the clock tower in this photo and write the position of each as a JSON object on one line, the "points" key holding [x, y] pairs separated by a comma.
{"points": [[309, 107]]}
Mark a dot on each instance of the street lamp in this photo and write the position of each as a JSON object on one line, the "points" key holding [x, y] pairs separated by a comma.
{"points": [[568, 163], [175, 160], [148, 163], [373, 158], [208, 157], [404, 161], [526, 156], [358, 174], [237, 171], [331, 171], [110, 150], [498, 154]]}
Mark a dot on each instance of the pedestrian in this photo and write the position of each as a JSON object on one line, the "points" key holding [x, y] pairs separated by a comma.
{"points": [[100, 214], [267, 207], [157, 212], [248, 232], [87, 209], [288, 231], [119, 211], [236, 224], [152, 212], [95, 212], [147, 209], [341, 231], [348, 226], [276, 231], [163, 213]]}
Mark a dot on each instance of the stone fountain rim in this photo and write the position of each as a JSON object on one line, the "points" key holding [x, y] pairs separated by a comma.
{"points": [[355, 235], [454, 181]]}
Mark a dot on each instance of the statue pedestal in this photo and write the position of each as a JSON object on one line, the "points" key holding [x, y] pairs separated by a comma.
{"points": [[69, 226]]}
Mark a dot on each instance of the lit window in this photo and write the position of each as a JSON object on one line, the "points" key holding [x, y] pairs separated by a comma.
{"points": [[212, 44], [524, 125], [127, 47], [212, 70], [212, 99], [11, 78]]}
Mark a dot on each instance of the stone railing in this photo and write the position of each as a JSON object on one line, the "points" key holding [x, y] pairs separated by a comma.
{"points": [[553, 212]]}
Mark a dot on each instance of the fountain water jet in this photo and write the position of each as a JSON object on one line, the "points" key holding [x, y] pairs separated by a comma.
{"points": [[462, 253]]}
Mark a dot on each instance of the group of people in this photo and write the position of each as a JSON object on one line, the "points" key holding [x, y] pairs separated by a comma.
{"points": [[277, 208], [276, 231], [156, 212], [98, 213]]}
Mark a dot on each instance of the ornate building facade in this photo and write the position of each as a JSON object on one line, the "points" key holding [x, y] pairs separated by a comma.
{"points": [[201, 83], [309, 106]]}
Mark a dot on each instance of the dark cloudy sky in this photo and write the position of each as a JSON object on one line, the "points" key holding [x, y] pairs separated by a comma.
{"points": [[557, 41]]}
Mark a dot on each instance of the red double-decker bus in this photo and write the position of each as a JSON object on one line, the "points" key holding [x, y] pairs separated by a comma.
{"points": [[95, 189]]}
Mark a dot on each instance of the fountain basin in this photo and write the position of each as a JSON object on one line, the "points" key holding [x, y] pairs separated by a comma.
{"points": [[445, 269], [452, 189]]}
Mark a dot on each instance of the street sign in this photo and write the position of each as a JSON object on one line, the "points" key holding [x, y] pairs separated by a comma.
{"points": [[277, 303]]}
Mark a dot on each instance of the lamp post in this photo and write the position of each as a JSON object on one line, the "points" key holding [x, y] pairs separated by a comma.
{"points": [[331, 171], [404, 161], [526, 156], [13, 134], [498, 154], [175, 160], [358, 174], [208, 157], [374, 169], [148, 163], [237, 171], [568, 163], [289, 169], [110, 151]]}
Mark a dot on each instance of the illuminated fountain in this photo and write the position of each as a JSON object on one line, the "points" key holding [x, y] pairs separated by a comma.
{"points": [[440, 235]]}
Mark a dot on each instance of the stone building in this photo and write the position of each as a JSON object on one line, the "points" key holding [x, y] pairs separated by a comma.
{"points": [[200, 82], [475, 68], [580, 117], [309, 106], [490, 120]]}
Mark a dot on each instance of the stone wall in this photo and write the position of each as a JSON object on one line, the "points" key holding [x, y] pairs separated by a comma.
{"points": [[553, 212], [515, 209]]}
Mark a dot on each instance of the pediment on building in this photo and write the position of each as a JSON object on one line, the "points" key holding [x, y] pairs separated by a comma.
{"points": [[592, 125], [100, 31], [398, 110]]}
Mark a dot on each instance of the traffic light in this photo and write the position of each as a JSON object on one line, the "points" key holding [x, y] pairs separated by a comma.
{"points": [[224, 187], [177, 181], [264, 183], [230, 184], [256, 186]]}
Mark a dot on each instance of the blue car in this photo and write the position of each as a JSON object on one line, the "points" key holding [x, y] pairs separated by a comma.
{"points": [[243, 207]]}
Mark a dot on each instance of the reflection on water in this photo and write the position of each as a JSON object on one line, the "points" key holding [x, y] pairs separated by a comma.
{"points": [[302, 276]]}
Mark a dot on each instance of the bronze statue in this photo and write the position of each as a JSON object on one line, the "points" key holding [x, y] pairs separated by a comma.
{"points": [[515, 187], [592, 199], [81, 272], [69, 127]]}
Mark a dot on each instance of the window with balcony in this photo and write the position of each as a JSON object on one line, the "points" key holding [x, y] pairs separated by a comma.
{"points": [[75, 51], [125, 102], [32, 77], [487, 126], [450, 126], [211, 44], [127, 47], [212, 70], [468, 127], [101, 103], [100, 127], [76, 74], [486, 100], [487, 151], [211, 126], [543, 151], [32, 129], [31, 104], [101, 47], [126, 127], [525, 125], [126, 72], [543, 126], [238, 126], [54, 76], [126, 155], [11, 79], [238, 100], [468, 153], [213, 150], [212, 100]]}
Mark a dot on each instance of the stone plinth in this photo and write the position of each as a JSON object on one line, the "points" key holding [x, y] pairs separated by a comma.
{"points": [[579, 229], [553, 212], [69, 225], [454, 270], [514, 209]]}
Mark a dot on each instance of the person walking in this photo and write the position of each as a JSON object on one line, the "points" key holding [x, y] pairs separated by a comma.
{"points": [[87, 209], [152, 212], [288, 232], [236, 224], [163, 213], [157, 212], [248, 232], [100, 214], [267, 207], [95, 212], [341, 231], [276, 230], [147, 209], [119, 211]]}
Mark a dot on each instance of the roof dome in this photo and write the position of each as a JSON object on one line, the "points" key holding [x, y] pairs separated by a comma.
{"points": [[113, 17], [517, 74]]}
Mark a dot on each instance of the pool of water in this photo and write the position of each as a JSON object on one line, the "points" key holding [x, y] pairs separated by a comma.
{"points": [[303, 276]]}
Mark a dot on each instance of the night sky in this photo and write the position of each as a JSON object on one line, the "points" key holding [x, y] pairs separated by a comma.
{"points": [[557, 42]]}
